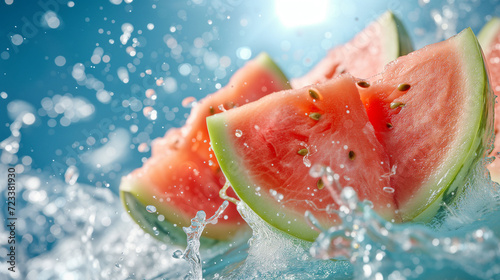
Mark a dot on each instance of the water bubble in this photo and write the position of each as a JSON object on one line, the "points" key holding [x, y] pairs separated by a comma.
{"points": [[221, 107], [238, 133], [151, 208]]}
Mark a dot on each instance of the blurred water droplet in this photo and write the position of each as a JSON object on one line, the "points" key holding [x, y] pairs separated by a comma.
{"points": [[317, 170], [151, 208], [238, 133], [151, 93], [143, 147], [189, 102], [71, 175], [221, 107]]}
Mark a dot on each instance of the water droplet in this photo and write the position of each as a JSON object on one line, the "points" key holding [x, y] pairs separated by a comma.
{"points": [[150, 93], [317, 170], [71, 175], [221, 107], [238, 133], [388, 190], [151, 208], [143, 147], [189, 102], [177, 254]]}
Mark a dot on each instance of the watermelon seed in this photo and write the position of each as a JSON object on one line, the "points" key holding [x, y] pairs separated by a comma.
{"points": [[212, 110], [396, 104], [352, 155], [403, 87], [314, 94], [389, 125], [303, 152], [363, 84], [320, 184], [315, 116]]}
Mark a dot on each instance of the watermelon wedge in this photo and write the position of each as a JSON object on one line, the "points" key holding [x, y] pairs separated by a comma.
{"points": [[182, 175], [266, 147], [365, 55], [430, 118], [489, 38], [432, 111]]}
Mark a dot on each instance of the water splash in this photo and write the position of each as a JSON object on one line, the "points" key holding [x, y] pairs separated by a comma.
{"points": [[193, 232], [378, 249]]}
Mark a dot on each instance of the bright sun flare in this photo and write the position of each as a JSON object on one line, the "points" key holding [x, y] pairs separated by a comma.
{"points": [[293, 13]]}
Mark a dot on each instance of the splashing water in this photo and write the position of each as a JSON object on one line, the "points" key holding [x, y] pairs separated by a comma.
{"points": [[193, 232], [378, 249]]}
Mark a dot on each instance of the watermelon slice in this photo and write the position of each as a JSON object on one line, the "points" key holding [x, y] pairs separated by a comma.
{"points": [[431, 111], [265, 148], [431, 114], [489, 38], [182, 175], [365, 55]]}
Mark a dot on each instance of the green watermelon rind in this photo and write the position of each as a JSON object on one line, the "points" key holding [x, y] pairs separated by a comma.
{"points": [[264, 59], [135, 194], [488, 33], [405, 43], [394, 31], [462, 162], [234, 170], [135, 206]]}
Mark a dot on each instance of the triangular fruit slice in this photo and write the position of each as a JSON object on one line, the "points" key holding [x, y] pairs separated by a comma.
{"points": [[432, 111], [182, 175], [489, 38], [265, 149], [365, 55]]}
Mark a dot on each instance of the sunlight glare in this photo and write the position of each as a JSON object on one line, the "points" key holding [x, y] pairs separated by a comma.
{"points": [[293, 13]]}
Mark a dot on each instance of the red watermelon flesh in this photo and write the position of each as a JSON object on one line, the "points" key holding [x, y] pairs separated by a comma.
{"points": [[430, 110], [265, 148], [365, 55], [182, 175], [489, 38], [430, 116]]}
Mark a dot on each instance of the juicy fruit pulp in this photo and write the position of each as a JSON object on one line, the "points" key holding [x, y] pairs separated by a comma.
{"points": [[264, 149], [365, 55], [430, 112], [182, 176], [489, 38]]}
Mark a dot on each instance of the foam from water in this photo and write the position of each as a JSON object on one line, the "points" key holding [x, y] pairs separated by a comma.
{"points": [[461, 241]]}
